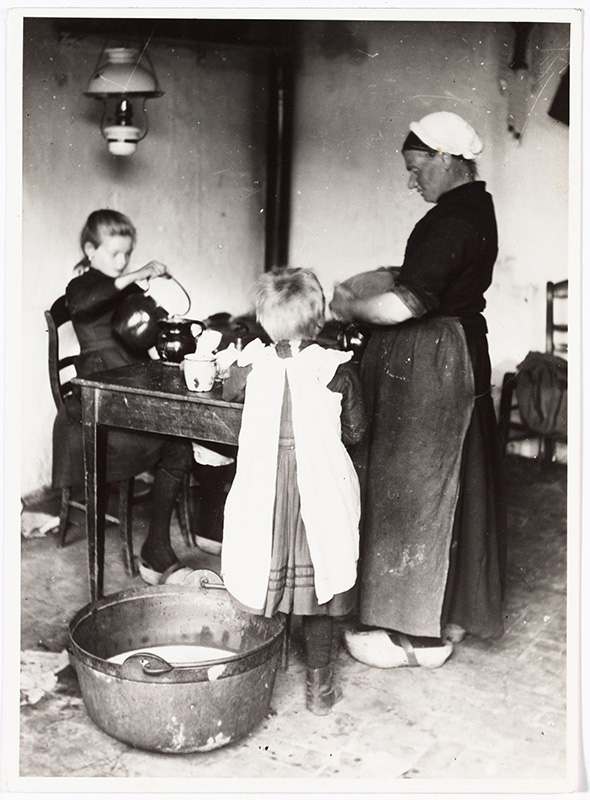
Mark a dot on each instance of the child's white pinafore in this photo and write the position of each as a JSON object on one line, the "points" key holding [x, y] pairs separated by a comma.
{"points": [[278, 491]]}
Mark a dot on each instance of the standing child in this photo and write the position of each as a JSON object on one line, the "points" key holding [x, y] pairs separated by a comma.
{"points": [[290, 541]]}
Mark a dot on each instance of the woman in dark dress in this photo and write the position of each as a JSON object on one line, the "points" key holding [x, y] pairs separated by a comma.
{"points": [[103, 282], [433, 530]]}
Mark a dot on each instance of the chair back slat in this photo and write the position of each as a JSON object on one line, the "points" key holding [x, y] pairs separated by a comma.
{"points": [[57, 316], [555, 344]]}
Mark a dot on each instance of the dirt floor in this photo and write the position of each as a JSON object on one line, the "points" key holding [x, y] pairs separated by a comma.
{"points": [[494, 713]]}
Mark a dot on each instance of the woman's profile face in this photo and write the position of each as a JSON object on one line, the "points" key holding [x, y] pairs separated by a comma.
{"points": [[111, 256], [427, 174]]}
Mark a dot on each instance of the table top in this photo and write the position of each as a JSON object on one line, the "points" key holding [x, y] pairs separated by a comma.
{"points": [[155, 379]]}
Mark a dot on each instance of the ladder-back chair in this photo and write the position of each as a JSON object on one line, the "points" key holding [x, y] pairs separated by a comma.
{"points": [[512, 427]]}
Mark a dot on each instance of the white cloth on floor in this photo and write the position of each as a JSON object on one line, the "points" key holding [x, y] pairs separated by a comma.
{"points": [[38, 673], [36, 524]]}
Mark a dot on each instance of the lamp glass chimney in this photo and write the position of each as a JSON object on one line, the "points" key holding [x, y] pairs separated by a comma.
{"points": [[118, 77]]}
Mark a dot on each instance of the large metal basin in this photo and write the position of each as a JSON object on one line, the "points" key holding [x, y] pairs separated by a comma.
{"points": [[153, 705]]}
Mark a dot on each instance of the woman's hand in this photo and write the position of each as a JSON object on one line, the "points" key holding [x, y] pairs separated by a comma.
{"points": [[342, 304]]}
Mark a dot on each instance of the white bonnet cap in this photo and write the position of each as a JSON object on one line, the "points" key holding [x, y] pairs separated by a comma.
{"points": [[448, 133]]}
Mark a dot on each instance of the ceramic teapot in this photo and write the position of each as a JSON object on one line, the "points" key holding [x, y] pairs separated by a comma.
{"points": [[177, 338]]}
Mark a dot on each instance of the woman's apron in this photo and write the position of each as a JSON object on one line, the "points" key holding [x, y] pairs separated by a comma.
{"points": [[419, 390]]}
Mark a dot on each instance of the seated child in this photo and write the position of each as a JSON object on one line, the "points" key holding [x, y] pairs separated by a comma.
{"points": [[290, 540]]}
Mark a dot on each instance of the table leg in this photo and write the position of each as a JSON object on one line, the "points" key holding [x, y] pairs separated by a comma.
{"points": [[125, 525], [94, 452]]}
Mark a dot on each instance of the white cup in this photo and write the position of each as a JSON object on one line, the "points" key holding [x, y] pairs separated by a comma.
{"points": [[199, 372]]}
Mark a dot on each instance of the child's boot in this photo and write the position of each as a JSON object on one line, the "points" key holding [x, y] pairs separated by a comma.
{"points": [[322, 693]]}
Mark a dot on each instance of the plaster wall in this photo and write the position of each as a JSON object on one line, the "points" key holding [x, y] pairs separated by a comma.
{"points": [[194, 189], [360, 84], [195, 186]]}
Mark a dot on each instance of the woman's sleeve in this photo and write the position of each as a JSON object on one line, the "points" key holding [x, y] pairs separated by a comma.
{"points": [[353, 416], [434, 259], [89, 293]]}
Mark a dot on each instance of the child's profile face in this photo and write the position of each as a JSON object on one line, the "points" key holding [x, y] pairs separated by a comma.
{"points": [[111, 256]]}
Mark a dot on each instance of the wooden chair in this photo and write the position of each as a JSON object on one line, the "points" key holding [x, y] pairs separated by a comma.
{"points": [[60, 373], [556, 330], [512, 428]]}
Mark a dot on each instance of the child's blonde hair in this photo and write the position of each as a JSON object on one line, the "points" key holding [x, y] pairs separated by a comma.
{"points": [[290, 303]]}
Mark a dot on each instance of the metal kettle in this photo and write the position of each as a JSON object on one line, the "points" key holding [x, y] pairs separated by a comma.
{"points": [[136, 319]]}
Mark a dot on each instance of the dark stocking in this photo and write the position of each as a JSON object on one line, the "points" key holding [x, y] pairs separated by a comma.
{"points": [[317, 638], [157, 550], [210, 500]]}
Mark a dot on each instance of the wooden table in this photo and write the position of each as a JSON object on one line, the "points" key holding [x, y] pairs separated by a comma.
{"points": [[150, 396]]}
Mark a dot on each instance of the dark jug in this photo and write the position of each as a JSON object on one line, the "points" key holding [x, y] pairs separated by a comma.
{"points": [[136, 321], [177, 338]]}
